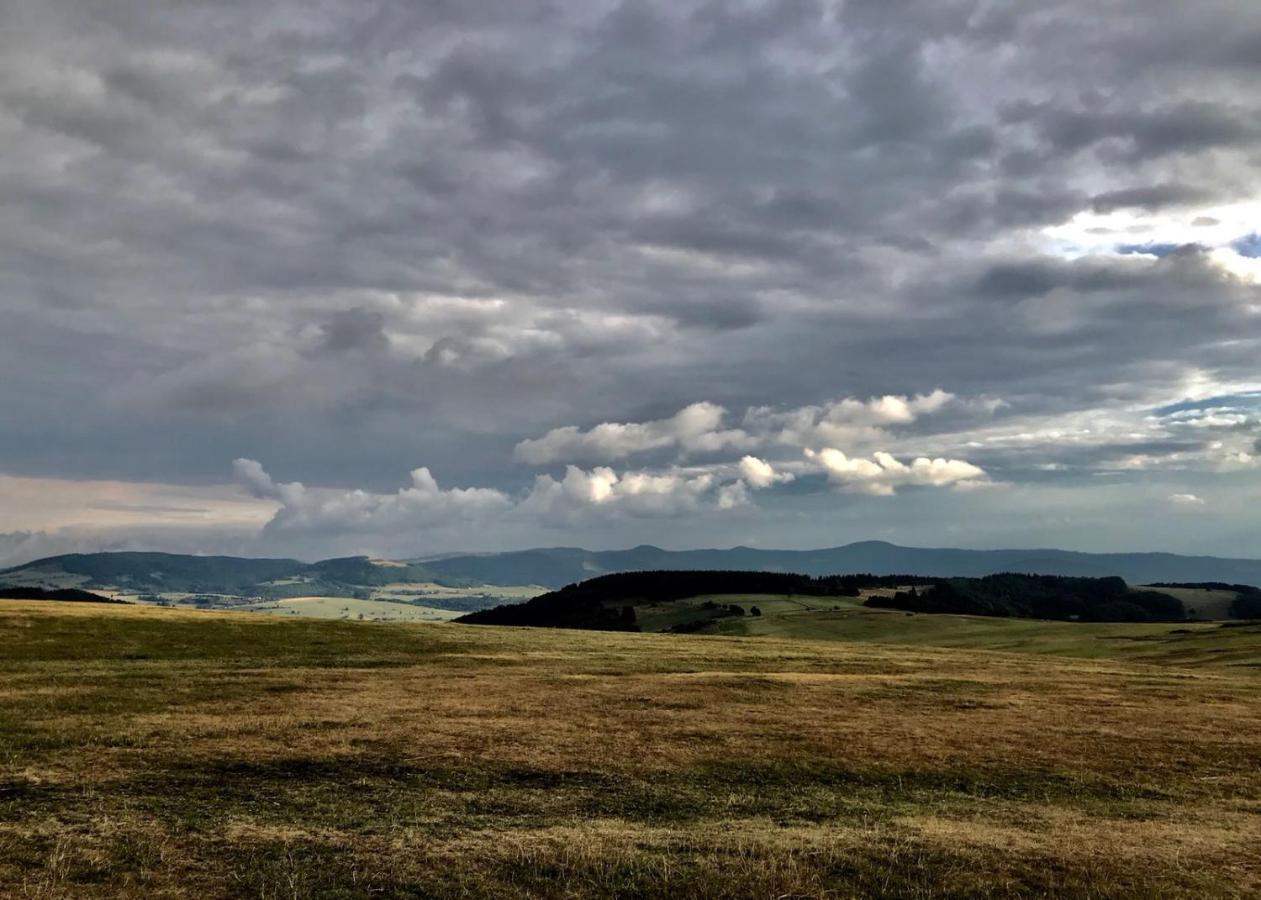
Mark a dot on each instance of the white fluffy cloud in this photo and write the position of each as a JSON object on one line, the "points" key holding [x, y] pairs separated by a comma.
{"points": [[421, 504], [848, 421], [883, 473], [890, 409], [582, 491], [695, 428], [698, 428], [583, 494], [758, 473]]}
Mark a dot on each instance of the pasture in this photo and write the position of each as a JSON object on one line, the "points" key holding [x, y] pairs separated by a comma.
{"points": [[377, 610], [169, 753]]}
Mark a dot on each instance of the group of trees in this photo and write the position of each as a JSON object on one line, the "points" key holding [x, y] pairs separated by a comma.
{"points": [[1039, 597]]}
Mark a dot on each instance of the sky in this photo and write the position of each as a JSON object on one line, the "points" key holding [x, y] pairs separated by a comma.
{"points": [[402, 277]]}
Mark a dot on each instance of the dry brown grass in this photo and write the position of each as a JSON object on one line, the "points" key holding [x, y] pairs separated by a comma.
{"points": [[149, 752]]}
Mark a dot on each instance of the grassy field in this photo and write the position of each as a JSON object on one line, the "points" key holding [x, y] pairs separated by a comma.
{"points": [[842, 619], [504, 593], [1199, 602], [395, 602], [165, 753], [377, 610]]}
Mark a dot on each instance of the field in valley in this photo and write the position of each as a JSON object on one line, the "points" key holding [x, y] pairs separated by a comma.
{"points": [[377, 610], [170, 753]]}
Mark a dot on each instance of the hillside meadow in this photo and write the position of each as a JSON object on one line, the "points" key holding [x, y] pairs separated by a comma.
{"points": [[167, 753], [1233, 643]]}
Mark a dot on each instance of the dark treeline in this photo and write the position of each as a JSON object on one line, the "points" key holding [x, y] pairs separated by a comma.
{"points": [[607, 602], [597, 603], [1039, 597], [1208, 586], [666, 585], [64, 594]]}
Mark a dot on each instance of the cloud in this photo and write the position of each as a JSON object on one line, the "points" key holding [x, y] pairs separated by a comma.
{"points": [[323, 510], [733, 495], [226, 539], [220, 240], [694, 429], [1151, 197], [846, 421], [582, 493], [883, 474], [355, 329], [698, 428], [758, 473]]}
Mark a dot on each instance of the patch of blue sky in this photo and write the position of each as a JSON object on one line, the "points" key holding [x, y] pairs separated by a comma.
{"points": [[1148, 249], [1248, 245], [1250, 400]]}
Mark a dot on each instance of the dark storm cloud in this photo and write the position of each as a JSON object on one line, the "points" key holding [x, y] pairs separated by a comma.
{"points": [[351, 239], [354, 329], [1153, 197], [1137, 135]]}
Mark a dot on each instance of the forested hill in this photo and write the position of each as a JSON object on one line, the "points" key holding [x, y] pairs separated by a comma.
{"points": [[611, 602], [174, 572], [600, 603]]}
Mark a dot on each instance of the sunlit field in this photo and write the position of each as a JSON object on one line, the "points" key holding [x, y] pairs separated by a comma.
{"points": [[349, 608], [165, 753]]}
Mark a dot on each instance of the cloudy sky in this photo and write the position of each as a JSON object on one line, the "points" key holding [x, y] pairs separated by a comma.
{"points": [[410, 276]]}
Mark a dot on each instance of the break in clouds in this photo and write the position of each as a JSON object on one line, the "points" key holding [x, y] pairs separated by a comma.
{"points": [[483, 275]]}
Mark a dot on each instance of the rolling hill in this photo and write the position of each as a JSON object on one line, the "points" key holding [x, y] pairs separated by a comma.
{"points": [[377, 589], [559, 566], [152, 571], [692, 601]]}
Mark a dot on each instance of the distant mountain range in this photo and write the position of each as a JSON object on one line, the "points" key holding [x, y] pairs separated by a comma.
{"points": [[556, 567], [564, 565]]}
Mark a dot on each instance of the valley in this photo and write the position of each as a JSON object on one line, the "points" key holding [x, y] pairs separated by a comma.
{"points": [[350, 588]]}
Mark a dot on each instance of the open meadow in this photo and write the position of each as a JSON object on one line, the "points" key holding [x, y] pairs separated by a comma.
{"points": [[169, 753], [351, 608], [824, 618]]}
